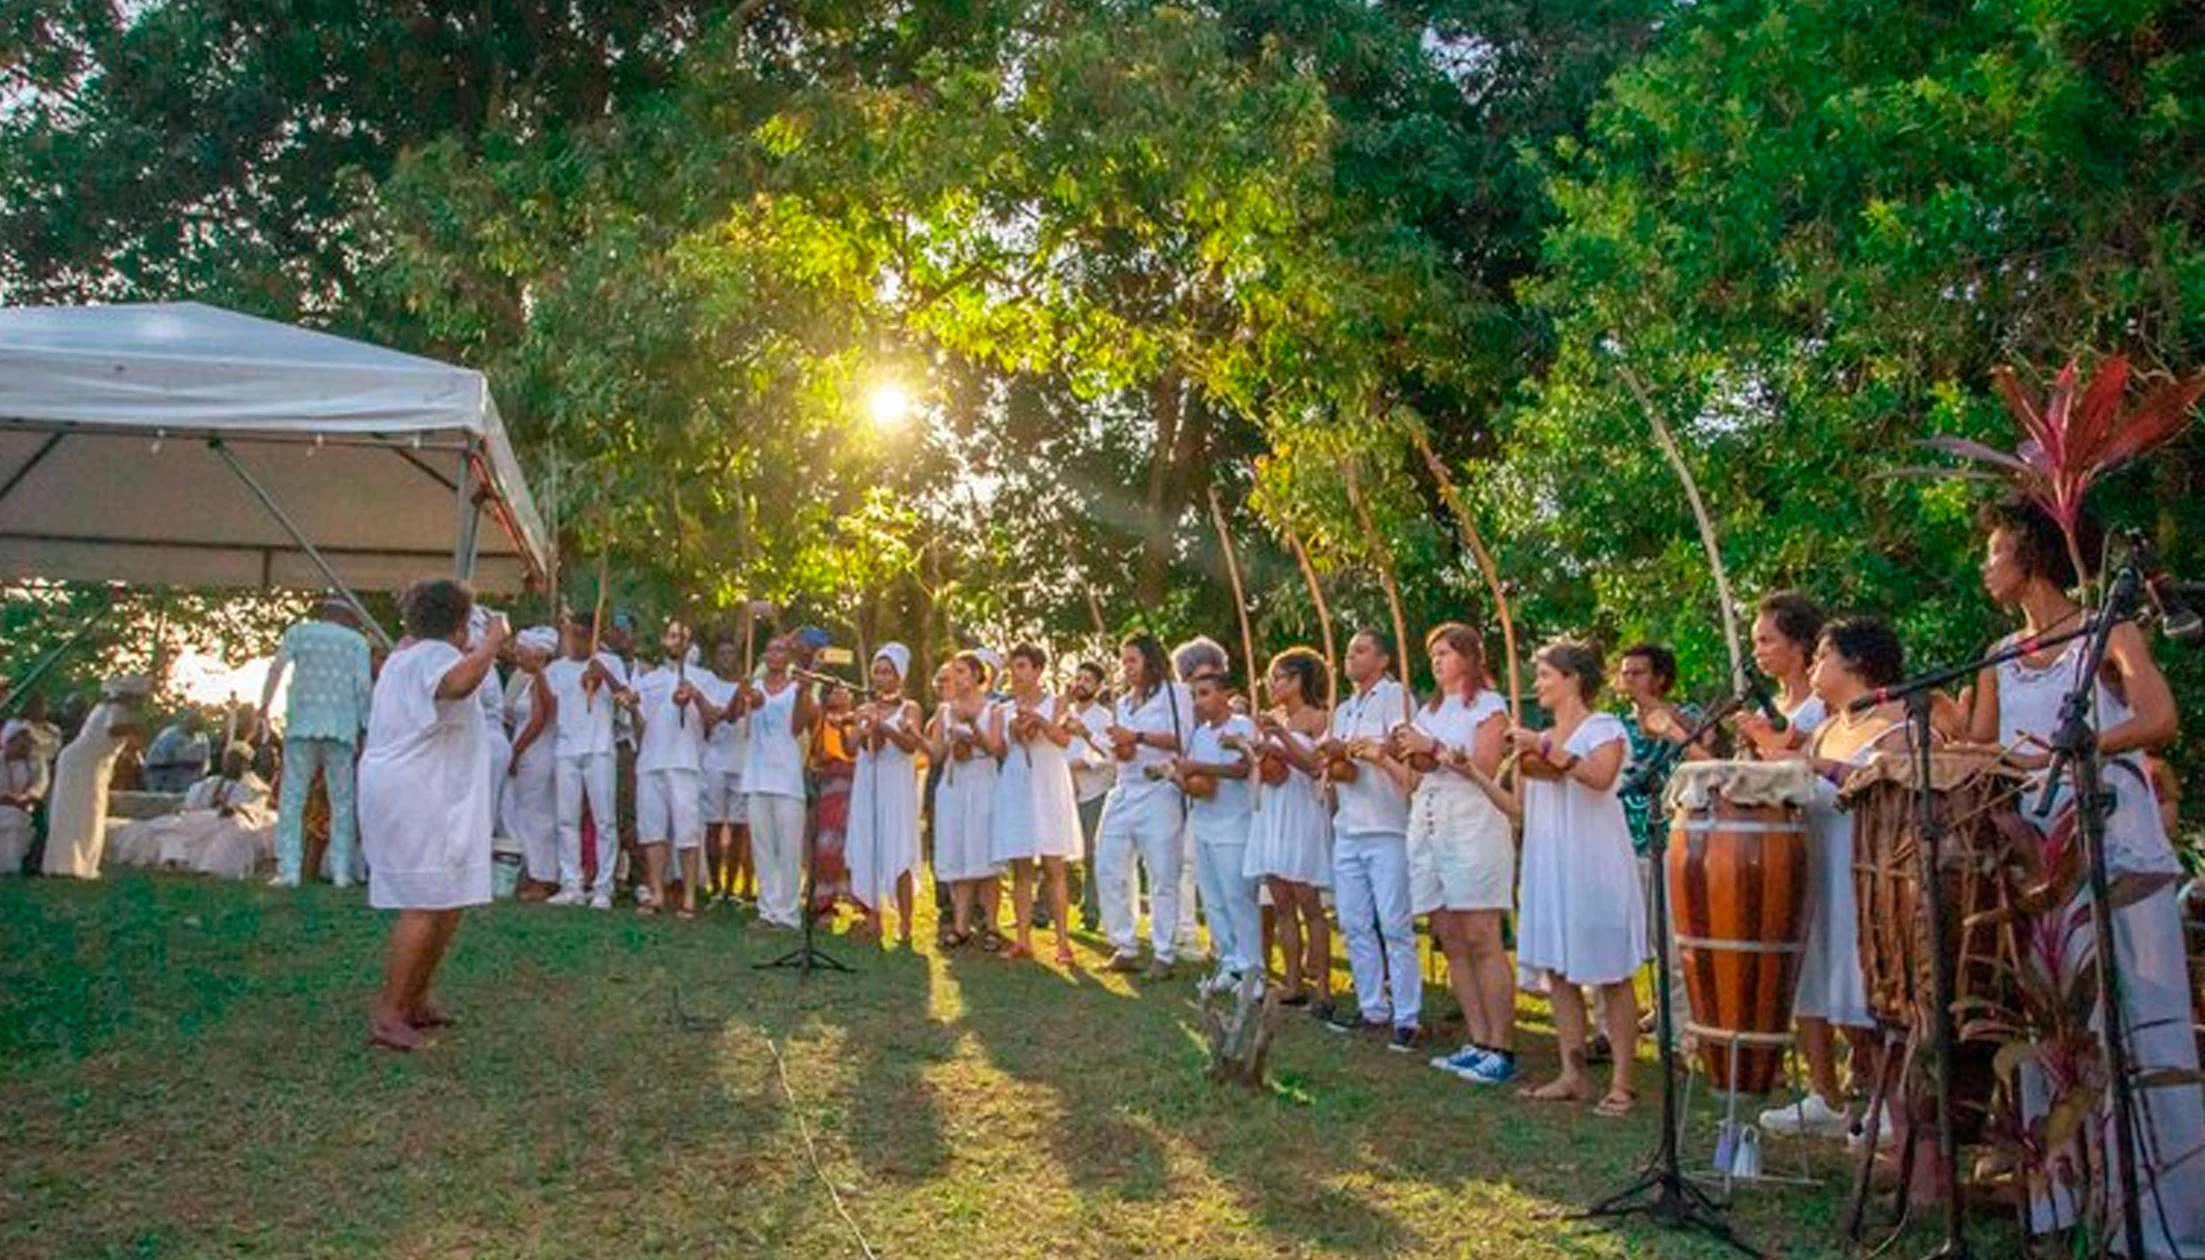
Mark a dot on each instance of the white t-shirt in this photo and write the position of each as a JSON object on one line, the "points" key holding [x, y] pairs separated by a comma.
{"points": [[673, 735], [1371, 803], [1153, 716], [1093, 769], [585, 721], [725, 747], [1455, 724], [773, 764], [1223, 816]]}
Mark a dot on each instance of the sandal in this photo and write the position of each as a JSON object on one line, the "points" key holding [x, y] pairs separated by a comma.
{"points": [[1066, 959], [991, 940], [956, 940], [1616, 1103], [399, 1037], [1017, 951]]}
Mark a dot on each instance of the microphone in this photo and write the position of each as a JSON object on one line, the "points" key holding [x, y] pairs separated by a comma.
{"points": [[1758, 692], [2177, 620]]}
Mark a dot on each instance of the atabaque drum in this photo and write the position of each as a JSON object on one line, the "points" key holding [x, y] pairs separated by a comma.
{"points": [[1738, 866]]}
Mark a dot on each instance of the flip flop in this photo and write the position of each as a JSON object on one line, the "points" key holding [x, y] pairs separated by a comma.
{"points": [[401, 1038], [1616, 1103]]}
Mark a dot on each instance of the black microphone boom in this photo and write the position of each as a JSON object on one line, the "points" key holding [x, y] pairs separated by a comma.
{"points": [[1758, 692], [2177, 620]]}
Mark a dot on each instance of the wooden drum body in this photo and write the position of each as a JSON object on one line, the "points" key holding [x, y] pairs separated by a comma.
{"points": [[1738, 870]]}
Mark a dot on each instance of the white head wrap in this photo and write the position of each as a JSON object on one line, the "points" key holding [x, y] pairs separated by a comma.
{"points": [[898, 655], [537, 639], [994, 661]]}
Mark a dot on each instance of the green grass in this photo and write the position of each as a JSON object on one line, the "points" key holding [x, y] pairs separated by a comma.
{"points": [[182, 1073]]}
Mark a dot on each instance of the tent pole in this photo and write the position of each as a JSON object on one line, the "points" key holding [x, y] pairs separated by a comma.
{"points": [[374, 627], [470, 520]]}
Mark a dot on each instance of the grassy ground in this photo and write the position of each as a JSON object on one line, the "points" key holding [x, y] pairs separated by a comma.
{"points": [[182, 1074]]}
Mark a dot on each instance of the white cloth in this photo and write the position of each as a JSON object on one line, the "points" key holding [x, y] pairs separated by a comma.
{"points": [[585, 718], [225, 829], [668, 807], [1460, 848], [424, 788], [1831, 985], [1229, 901], [1371, 801], [579, 781], [777, 850], [1807, 717], [964, 815], [1223, 817], [25, 778], [1036, 813], [773, 760], [2029, 706], [1094, 771], [720, 797], [673, 735], [1290, 837], [1370, 881], [882, 842], [1455, 723], [1167, 710], [1147, 824], [727, 744], [528, 808], [76, 818], [1583, 918], [491, 696]]}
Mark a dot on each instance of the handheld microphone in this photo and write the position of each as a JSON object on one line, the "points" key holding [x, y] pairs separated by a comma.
{"points": [[2177, 620], [1758, 692]]}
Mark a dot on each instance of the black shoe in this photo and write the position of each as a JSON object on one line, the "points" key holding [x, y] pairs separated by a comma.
{"points": [[1405, 1039], [1343, 1021]]}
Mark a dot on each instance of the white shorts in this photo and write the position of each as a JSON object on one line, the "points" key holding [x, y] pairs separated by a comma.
{"points": [[1462, 852], [667, 808], [722, 797]]}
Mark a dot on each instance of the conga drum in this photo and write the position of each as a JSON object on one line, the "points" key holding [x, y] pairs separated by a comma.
{"points": [[1737, 871], [1983, 864]]}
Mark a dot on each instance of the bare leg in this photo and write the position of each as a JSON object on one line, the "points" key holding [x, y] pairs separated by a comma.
{"points": [[654, 874], [1022, 903], [1622, 1011], [1569, 1033], [960, 907], [1822, 1072], [1495, 980], [744, 882], [412, 944], [691, 859], [903, 910], [991, 901], [1462, 975], [1287, 923], [1270, 934], [1060, 904], [1317, 931]]}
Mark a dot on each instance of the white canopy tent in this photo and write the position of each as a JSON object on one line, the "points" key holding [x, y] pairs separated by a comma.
{"points": [[185, 445]]}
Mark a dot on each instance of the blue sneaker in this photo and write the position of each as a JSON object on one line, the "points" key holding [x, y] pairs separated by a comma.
{"points": [[1460, 1061], [1490, 1069]]}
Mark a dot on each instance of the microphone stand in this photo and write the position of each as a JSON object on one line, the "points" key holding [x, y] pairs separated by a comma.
{"points": [[1662, 1191], [2075, 748]]}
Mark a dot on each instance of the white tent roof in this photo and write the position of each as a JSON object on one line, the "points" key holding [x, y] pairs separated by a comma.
{"points": [[114, 423]]}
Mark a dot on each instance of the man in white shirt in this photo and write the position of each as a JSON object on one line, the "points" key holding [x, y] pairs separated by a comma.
{"points": [[673, 711], [1370, 851], [589, 690], [727, 825], [1214, 775], [1093, 772]]}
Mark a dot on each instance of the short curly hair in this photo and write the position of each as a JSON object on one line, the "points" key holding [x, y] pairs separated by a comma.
{"points": [[1870, 647], [2039, 546], [435, 609]]}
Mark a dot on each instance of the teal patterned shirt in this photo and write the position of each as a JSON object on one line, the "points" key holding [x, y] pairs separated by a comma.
{"points": [[330, 683]]}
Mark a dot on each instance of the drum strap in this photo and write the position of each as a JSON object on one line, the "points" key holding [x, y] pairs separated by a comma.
{"points": [[1729, 946], [1724, 1036], [1703, 826]]}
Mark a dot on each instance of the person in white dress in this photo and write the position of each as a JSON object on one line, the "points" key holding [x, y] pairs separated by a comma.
{"points": [[1216, 773], [883, 837], [966, 738], [529, 806], [1037, 822], [589, 690], [76, 817], [1144, 815], [782, 714], [727, 826], [24, 779], [2017, 705], [673, 710], [425, 799], [1462, 849], [1583, 921], [1853, 657], [1290, 834]]}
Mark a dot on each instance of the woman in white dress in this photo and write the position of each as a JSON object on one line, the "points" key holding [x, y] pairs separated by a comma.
{"points": [[1290, 833], [1855, 656], [425, 799], [1462, 848], [966, 737], [1583, 921], [76, 819], [529, 808], [2017, 704], [1037, 817], [883, 843], [23, 782]]}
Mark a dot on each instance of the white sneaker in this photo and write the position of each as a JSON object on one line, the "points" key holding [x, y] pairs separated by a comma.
{"points": [[282, 881], [602, 901], [565, 897], [1809, 1117], [1857, 1136]]}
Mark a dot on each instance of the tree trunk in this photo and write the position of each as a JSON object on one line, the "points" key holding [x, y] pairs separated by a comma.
{"points": [[1157, 505]]}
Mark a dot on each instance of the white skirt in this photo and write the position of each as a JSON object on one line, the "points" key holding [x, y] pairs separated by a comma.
{"points": [[1289, 836], [1831, 986], [964, 816]]}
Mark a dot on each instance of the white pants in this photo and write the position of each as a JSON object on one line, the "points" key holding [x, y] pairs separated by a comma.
{"points": [[777, 850], [667, 808], [1192, 900], [587, 776], [1370, 882], [1229, 898], [1150, 826]]}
